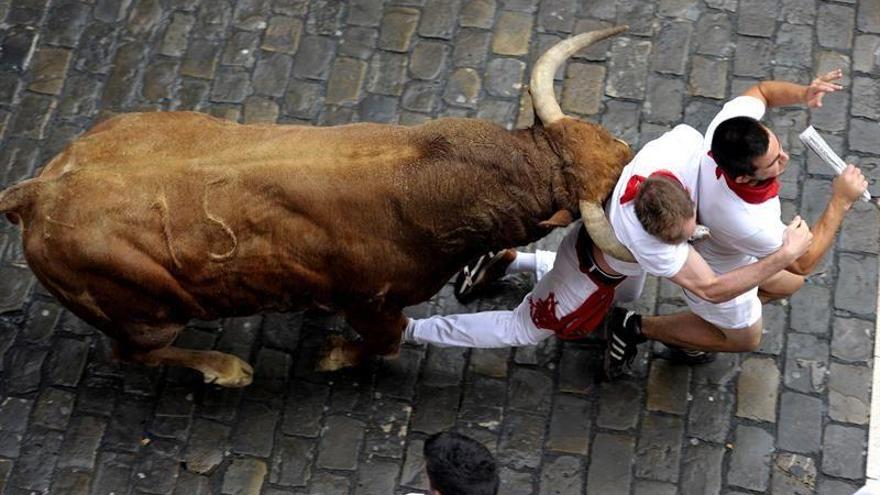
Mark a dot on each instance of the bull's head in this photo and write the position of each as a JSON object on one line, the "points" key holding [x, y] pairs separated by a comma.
{"points": [[549, 112]]}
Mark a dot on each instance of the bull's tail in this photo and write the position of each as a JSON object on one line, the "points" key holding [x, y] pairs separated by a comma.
{"points": [[17, 200]]}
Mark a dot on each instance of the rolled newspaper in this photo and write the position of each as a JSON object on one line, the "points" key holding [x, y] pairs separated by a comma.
{"points": [[814, 141]]}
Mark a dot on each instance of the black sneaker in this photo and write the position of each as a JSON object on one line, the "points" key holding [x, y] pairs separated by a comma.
{"points": [[689, 357], [473, 278], [624, 334]]}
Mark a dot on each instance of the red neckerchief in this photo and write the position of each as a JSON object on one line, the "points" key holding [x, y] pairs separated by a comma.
{"points": [[635, 183], [750, 193]]}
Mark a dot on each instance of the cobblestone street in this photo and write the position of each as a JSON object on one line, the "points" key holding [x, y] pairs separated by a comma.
{"points": [[791, 418]]}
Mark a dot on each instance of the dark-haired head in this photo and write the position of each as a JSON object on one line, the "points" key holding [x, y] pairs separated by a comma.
{"points": [[737, 144], [460, 465]]}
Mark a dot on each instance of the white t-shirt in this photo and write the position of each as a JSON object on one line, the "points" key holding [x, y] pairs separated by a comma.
{"points": [[677, 151], [740, 231]]}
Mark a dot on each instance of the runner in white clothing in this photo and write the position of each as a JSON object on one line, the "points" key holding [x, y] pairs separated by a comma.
{"points": [[738, 165], [655, 199]]}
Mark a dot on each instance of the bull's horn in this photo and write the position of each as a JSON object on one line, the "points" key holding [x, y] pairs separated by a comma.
{"points": [[543, 97], [601, 232]]}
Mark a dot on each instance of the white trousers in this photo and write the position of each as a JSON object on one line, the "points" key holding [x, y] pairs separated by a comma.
{"points": [[491, 329]]}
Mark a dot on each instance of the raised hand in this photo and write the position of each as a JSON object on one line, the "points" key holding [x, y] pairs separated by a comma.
{"points": [[820, 87]]}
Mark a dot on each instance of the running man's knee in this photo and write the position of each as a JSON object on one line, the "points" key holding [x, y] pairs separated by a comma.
{"points": [[746, 339]]}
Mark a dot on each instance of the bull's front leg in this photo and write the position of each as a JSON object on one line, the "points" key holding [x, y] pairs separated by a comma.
{"points": [[380, 333]]}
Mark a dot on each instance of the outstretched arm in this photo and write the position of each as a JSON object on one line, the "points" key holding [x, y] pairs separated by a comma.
{"points": [[847, 188], [698, 277], [781, 93]]}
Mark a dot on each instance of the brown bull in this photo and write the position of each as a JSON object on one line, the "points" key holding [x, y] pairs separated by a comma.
{"points": [[151, 219]]}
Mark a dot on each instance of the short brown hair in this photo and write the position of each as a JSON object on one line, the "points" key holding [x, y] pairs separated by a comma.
{"points": [[662, 206]]}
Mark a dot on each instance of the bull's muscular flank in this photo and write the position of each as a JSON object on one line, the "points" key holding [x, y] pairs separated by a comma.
{"points": [[151, 219]]}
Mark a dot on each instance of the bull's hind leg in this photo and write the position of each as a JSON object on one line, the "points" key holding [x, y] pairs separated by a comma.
{"points": [[380, 336], [149, 345]]}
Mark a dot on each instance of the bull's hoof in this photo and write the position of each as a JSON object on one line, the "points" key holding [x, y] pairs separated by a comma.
{"points": [[227, 370], [338, 353]]}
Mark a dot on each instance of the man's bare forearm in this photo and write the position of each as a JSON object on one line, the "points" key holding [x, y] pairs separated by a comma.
{"points": [[778, 93], [731, 284], [823, 236]]}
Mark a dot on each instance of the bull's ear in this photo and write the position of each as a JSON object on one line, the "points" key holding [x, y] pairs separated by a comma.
{"points": [[559, 219]]}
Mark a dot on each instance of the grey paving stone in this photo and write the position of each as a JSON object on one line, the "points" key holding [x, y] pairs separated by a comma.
{"points": [[868, 17], [444, 367], [855, 289], [520, 443], [175, 39], [798, 11], [329, 483], [849, 393], [852, 340], [244, 477], [806, 363], [557, 15], [230, 86], [158, 468], [428, 59], [250, 14], [659, 107], [713, 35], [376, 477], [413, 472], [835, 25], [127, 424], [205, 450], [314, 57], [15, 286], [483, 402], [69, 483], [438, 18], [616, 409], [398, 26], [809, 309], [843, 452], [41, 322], [515, 483], [530, 390], [339, 446], [668, 387], [324, 17], [702, 470], [388, 428], [303, 100], [793, 474], [860, 136], [866, 98], [682, 9], [378, 108], [291, 462], [255, 429], [53, 409], [753, 57], [65, 22], [201, 59], [794, 45], [595, 53], [32, 116], [646, 487], [14, 414], [562, 475], [463, 88], [190, 484], [583, 89], [436, 409], [345, 82], [611, 461], [708, 77], [750, 458], [504, 77], [34, 466], [757, 18], [144, 19], [471, 48], [710, 412], [160, 80], [570, 425], [49, 68], [113, 473], [22, 369], [387, 74], [580, 370], [866, 57], [673, 44], [478, 13], [213, 20], [512, 34], [800, 423], [365, 13], [627, 68], [621, 118], [271, 74], [658, 450]]}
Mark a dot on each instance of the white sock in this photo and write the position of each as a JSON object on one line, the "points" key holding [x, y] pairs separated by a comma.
{"points": [[524, 262]]}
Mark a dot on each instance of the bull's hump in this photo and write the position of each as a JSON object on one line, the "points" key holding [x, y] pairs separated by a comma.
{"points": [[177, 138]]}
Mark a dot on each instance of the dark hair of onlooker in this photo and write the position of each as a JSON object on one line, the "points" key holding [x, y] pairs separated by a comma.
{"points": [[663, 206], [737, 142], [460, 465]]}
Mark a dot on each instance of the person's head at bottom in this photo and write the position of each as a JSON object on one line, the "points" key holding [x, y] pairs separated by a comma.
{"points": [[459, 465]]}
